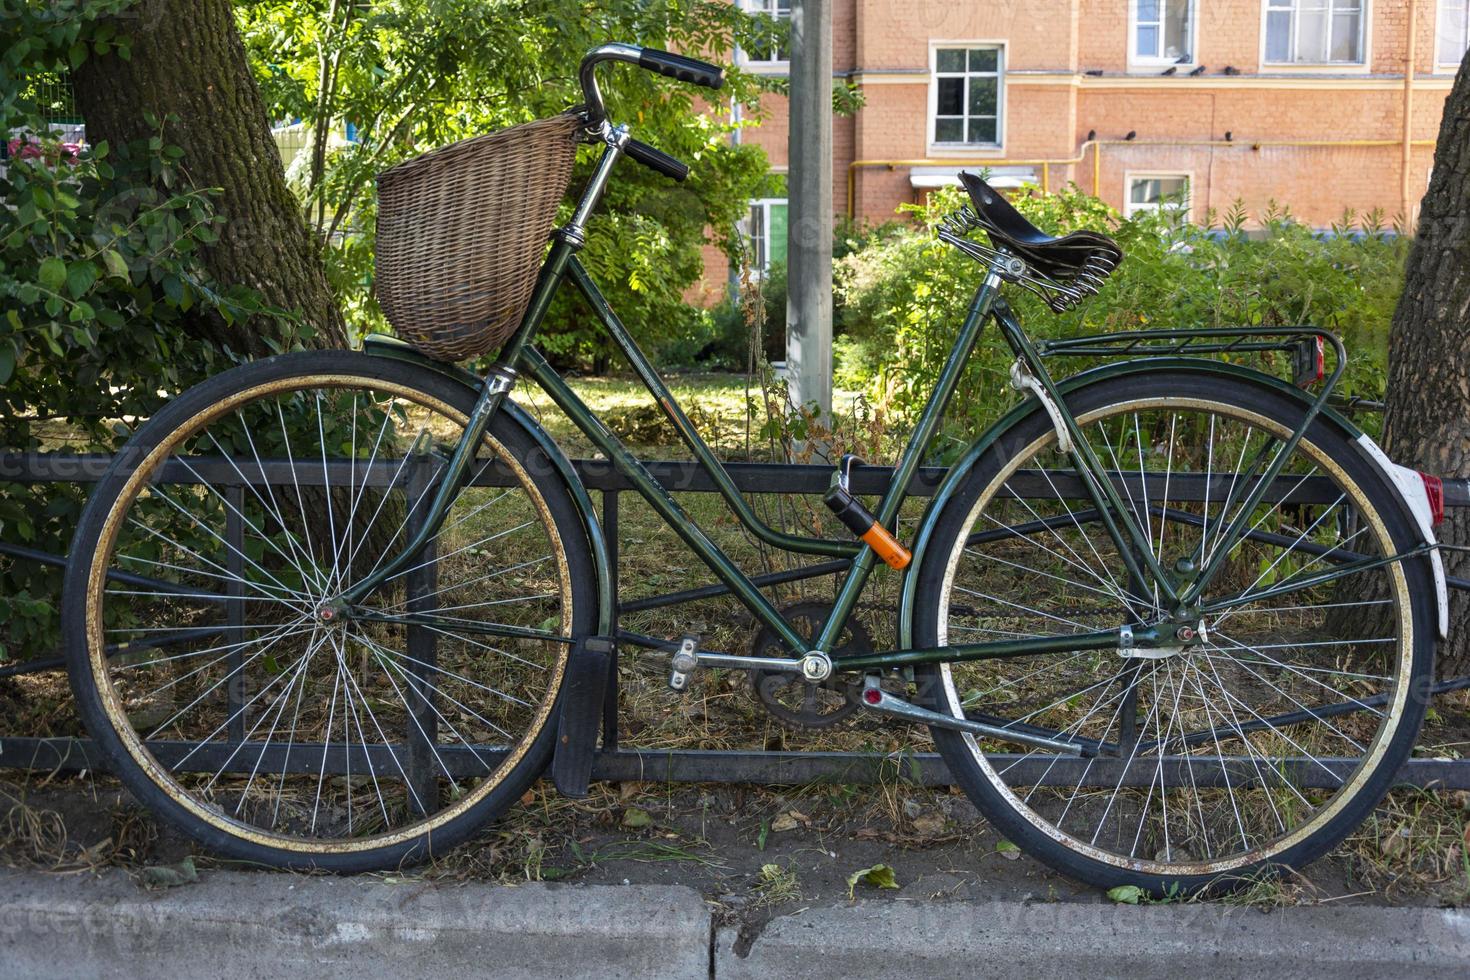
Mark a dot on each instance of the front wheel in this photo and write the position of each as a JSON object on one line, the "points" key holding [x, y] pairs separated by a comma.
{"points": [[227, 701], [1259, 744]]}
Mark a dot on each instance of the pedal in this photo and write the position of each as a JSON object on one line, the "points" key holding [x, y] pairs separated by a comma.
{"points": [[581, 715], [686, 659]]}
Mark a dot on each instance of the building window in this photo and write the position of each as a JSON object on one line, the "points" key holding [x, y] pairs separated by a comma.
{"points": [[966, 96], [1163, 31], [769, 47], [1454, 31], [765, 231], [1156, 192], [1314, 32]]}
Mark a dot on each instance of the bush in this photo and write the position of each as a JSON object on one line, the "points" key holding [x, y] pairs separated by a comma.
{"points": [[905, 295]]}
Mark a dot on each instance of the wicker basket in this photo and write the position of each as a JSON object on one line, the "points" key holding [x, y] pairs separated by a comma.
{"points": [[461, 233]]}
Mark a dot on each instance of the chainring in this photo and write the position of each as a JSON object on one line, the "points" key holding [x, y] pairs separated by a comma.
{"points": [[799, 703]]}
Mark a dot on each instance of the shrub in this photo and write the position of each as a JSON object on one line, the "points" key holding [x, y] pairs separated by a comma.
{"points": [[905, 295]]}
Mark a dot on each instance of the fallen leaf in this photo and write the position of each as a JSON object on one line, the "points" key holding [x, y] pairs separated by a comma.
{"points": [[783, 823], [878, 876], [1007, 850], [635, 817], [1126, 894], [170, 875], [930, 824]]}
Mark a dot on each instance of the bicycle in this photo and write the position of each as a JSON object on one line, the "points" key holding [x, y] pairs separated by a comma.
{"points": [[338, 609]]}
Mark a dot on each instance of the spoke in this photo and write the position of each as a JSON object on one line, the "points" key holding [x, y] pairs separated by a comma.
{"points": [[260, 587], [473, 544], [448, 673], [483, 646], [1078, 563], [1226, 654], [275, 507], [321, 776], [238, 711], [415, 682], [296, 629], [391, 652], [1267, 725], [346, 674], [465, 585], [1017, 605], [290, 560], [1037, 571], [157, 492], [1225, 770], [282, 698], [1112, 583]]}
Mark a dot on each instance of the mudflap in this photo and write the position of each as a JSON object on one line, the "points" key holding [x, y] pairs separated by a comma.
{"points": [[581, 715]]}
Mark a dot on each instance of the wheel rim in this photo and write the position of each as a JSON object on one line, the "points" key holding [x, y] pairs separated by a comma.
{"points": [[1209, 725], [309, 732]]}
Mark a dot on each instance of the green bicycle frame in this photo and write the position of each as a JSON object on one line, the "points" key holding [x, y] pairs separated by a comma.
{"points": [[1122, 525]]}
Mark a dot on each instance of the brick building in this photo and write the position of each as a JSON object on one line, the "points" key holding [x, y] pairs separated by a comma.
{"points": [[1320, 105]]}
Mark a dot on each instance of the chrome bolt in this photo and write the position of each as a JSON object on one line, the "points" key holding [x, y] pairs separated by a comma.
{"points": [[1184, 634]]}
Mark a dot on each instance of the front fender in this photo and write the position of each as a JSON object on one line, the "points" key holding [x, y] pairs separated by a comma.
{"points": [[961, 469], [380, 345]]}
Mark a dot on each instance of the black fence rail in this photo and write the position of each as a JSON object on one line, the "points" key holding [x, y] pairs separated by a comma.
{"points": [[617, 763]]}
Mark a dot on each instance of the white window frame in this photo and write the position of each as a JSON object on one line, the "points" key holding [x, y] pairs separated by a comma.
{"points": [[759, 269], [765, 8], [1130, 209], [965, 149], [1439, 27], [1152, 61], [1365, 48]]}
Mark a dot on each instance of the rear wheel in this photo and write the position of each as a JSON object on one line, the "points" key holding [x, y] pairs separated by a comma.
{"points": [[1261, 743], [227, 702]]}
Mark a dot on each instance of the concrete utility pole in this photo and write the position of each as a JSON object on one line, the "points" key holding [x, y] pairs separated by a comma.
{"points": [[809, 206]]}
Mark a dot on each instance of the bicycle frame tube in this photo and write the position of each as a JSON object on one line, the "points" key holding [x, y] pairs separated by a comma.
{"points": [[863, 556]]}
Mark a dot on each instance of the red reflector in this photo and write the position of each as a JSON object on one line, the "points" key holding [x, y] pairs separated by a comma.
{"points": [[872, 695], [1434, 490], [1309, 362]]}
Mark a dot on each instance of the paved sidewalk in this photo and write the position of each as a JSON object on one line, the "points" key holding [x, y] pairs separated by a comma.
{"points": [[235, 924]]}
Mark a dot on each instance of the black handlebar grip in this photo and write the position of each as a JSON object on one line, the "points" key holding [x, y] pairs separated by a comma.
{"points": [[656, 160], [682, 68]]}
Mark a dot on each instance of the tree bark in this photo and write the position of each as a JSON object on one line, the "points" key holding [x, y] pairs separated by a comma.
{"points": [[188, 61], [1427, 416]]}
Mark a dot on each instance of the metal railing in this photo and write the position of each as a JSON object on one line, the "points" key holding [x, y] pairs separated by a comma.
{"points": [[615, 762]]}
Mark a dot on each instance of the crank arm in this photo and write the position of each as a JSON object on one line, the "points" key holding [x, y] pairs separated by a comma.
{"points": [[879, 700], [814, 666]]}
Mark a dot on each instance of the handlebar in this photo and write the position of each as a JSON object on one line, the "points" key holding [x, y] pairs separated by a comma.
{"points": [[669, 65]]}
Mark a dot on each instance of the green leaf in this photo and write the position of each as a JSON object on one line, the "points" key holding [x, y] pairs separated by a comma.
{"points": [[1126, 894], [52, 273], [635, 817], [79, 278], [116, 265], [171, 875], [878, 876], [7, 363]]}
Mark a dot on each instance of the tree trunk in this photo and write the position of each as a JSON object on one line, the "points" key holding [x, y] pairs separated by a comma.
{"points": [[1427, 417], [188, 61]]}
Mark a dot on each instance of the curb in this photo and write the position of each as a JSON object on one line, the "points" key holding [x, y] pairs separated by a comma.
{"points": [[240, 924], [249, 925], [1040, 941]]}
